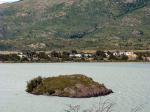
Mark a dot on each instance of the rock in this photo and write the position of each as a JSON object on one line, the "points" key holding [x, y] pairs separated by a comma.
{"points": [[137, 33], [74, 86]]}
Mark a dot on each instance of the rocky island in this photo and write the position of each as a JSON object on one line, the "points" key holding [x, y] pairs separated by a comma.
{"points": [[73, 86]]}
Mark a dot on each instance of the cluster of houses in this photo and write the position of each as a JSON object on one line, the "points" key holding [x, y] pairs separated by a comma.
{"points": [[78, 56], [130, 55]]}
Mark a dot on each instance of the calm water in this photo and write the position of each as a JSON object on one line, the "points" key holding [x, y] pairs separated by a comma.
{"points": [[129, 81]]}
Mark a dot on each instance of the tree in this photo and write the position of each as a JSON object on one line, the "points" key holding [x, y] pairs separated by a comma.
{"points": [[99, 55], [74, 52], [65, 56], [124, 57], [55, 54], [43, 55]]}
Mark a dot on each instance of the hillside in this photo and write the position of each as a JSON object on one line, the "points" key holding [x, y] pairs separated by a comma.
{"points": [[75, 24]]}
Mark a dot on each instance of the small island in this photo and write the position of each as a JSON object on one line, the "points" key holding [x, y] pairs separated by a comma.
{"points": [[73, 86]]}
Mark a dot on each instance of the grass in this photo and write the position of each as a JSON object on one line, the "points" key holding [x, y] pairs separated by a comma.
{"points": [[102, 106], [66, 81], [50, 85]]}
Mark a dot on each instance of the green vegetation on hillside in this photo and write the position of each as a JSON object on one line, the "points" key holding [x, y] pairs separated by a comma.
{"points": [[76, 24]]}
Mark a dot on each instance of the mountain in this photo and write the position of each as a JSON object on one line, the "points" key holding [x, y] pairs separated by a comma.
{"points": [[75, 24]]}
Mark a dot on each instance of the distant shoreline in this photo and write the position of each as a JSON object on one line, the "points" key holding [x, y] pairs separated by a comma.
{"points": [[86, 56], [72, 62]]}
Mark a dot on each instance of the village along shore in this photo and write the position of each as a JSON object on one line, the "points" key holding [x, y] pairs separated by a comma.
{"points": [[74, 56]]}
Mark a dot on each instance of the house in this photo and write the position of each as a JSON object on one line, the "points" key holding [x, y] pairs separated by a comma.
{"points": [[21, 55], [107, 55], [118, 53], [86, 55], [147, 59], [75, 55], [129, 53], [123, 53]]}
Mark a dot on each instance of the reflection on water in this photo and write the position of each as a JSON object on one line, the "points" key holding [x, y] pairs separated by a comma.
{"points": [[129, 81]]}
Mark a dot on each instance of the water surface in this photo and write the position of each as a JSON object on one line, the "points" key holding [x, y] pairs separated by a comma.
{"points": [[129, 81]]}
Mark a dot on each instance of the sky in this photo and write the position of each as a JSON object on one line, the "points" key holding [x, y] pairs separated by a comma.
{"points": [[3, 1]]}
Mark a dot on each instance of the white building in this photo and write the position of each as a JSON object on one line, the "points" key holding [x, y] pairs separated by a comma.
{"points": [[75, 55], [123, 53], [21, 55], [87, 55]]}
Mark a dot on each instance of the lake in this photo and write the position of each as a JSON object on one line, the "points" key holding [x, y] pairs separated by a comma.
{"points": [[129, 81]]}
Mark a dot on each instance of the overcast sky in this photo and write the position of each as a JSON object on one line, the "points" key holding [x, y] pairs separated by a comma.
{"points": [[3, 1]]}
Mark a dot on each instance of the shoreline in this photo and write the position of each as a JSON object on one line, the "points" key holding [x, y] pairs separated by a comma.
{"points": [[73, 62], [73, 57]]}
